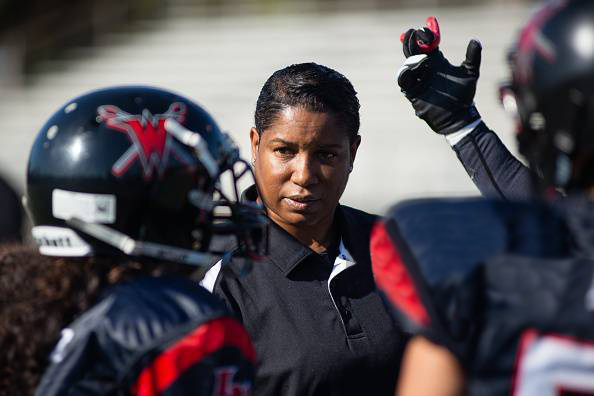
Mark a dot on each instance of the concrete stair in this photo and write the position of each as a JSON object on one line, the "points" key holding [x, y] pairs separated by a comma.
{"points": [[222, 62]]}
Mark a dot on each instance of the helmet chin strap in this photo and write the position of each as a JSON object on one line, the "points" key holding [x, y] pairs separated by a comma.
{"points": [[132, 247]]}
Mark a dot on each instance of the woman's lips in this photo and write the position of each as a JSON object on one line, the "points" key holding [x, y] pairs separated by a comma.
{"points": [[301, 204]]}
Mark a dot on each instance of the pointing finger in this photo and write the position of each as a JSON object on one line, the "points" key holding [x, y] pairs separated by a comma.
{"points": [[473, 57]]}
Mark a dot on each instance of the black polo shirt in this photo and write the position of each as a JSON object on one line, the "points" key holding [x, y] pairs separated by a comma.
{"points": [[318, 328]]}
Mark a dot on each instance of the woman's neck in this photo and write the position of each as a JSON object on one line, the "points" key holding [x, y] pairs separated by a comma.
{"points": [[318, 237]]}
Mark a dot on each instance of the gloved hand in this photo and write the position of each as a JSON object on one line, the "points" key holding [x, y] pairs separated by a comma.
{"points": [[441, 94]]}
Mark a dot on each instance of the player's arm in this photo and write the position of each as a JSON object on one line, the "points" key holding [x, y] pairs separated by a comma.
{"points": [[443, 96], [429, 370]]}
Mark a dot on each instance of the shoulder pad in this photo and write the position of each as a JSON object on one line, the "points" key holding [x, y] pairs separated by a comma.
{"points": [[109, 345], [425, 251], [451, 236]]}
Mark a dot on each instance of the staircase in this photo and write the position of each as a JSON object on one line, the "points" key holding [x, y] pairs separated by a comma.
{"points": [[222, 62]]}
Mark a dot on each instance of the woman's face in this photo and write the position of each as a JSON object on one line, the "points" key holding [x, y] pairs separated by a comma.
{"points": [[302, 163]]}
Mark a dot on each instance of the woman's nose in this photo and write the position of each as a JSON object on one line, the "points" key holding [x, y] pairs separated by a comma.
{"points": [[304, 172]]}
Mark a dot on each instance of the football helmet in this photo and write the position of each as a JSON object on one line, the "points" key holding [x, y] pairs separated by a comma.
{"points": [[552, 92], [134, 170]]}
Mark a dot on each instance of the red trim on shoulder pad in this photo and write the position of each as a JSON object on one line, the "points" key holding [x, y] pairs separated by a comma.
{"points": [[190, 350], [392, 276]]}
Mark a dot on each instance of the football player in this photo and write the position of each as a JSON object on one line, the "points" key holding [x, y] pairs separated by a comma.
{"points": [[121, 187], [501, 294]]}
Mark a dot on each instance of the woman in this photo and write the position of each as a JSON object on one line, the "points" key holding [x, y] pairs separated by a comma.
{"points": [[311, 308], [122, 215]]}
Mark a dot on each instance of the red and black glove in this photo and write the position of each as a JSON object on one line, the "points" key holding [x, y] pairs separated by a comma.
{"points": [[441, 94], [421, 41]]}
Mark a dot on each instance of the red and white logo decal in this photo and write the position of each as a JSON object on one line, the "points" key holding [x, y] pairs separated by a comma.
{"points": [[151, 144], [225, 386], [533, 41]]}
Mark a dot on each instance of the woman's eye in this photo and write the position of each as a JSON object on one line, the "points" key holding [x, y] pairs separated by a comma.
{"points": [[283, 151], [327, 155]]}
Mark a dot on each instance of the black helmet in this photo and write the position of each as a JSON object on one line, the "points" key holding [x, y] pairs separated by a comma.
{"points": [[552, 92], [133, 170]]}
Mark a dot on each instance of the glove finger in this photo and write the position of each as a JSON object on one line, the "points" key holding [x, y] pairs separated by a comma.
{"points": [[424, 39], [433, 27], [472, 63], [403, 35], [407, 74], [420, 41], [406, 40], [413, 61]]}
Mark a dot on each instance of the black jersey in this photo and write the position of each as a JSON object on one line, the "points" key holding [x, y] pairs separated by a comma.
{"points": [[507, 287], [152, 336]]}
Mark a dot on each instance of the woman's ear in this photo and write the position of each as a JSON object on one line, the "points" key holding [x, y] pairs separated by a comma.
{"points": [[255, 143]]}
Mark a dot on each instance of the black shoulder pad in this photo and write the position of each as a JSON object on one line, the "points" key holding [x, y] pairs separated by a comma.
{"points": [[109, 344], [451, 236], [441, 244]]}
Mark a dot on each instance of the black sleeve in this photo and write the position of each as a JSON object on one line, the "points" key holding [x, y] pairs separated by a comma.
{"points": [[492, 168], [226, 289]]}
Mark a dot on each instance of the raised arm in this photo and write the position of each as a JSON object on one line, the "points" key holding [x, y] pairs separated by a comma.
{"points": [[442, 95]]}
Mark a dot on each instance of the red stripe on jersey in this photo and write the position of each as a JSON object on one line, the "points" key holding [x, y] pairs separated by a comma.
{"points": [[182, 355], [392, 276]]}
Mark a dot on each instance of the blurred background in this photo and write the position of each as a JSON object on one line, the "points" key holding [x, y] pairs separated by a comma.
{"points": [[220, 52]]}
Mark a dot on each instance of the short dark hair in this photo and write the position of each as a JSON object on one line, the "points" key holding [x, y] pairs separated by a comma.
{"points": [[311, 86]]}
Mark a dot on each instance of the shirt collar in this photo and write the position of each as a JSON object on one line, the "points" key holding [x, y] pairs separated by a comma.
{"points": [[294, 252], [342, 262], [289, 252]]}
